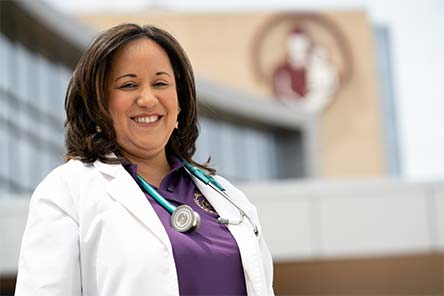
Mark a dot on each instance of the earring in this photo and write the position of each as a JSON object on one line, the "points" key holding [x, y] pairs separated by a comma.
{"points": [[177, 125], [98, 129]]}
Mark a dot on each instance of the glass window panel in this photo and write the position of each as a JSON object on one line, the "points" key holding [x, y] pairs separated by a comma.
{"points": [[243, 153], [50, 99], [202, 144], [262, 151], [252, 158], [54, 90], [215, 149], [269, 156], [4, 110], [33, 80], [7, 63], [5, 49], [387, 99], [4, 138], [228, 154], [47, 132], [21, 76], [240, 152], [30, 163], [15, 160], [63, 75]]}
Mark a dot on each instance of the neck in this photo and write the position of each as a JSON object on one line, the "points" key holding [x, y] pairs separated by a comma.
{"points": [[153, 169]]}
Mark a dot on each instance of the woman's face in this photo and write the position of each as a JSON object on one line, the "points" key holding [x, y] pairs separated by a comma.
{"points": [[142, 98]]}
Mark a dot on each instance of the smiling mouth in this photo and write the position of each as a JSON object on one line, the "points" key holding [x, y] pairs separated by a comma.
{"points": [[146, 119]]}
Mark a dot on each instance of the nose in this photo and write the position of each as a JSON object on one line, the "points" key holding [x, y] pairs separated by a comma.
{"points": [[147, 98]]}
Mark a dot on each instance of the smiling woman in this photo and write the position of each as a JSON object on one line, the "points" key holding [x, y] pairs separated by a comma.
{"points": [[143, 105], [121, 216], [103, 72]]}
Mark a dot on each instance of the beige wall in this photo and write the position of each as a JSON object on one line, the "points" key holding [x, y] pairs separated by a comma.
{"points": [[351, 127], [220, 46]]}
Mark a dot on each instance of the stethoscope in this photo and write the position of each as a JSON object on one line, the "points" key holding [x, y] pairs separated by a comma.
{"points": [[183, 218]]}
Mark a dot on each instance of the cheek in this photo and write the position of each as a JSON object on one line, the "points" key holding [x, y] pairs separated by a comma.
{"points": [[172, 103], [120, 124], [117, 107], [174, 114]]}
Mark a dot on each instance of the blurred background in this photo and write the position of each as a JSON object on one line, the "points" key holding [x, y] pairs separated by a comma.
{"points": [[328, 115]]}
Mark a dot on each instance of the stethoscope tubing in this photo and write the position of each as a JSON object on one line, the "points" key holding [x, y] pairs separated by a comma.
{"points": [[242, 213], [207, 180], [159, 198]]}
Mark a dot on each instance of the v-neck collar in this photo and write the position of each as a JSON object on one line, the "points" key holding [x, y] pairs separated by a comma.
{"points": [[169, 184], [175, 165]]}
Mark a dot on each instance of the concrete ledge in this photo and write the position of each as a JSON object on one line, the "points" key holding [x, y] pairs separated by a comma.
{"points": [[309, 220], [413, 274]]}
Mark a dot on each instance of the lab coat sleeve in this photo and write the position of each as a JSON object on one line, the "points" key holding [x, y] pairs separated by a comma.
{"points": [[49, 261]]}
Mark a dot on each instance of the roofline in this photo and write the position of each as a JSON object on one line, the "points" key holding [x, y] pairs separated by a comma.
{"points": [[250, 107], [62, 24]]}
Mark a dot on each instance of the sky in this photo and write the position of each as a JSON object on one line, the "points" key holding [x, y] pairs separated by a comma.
{"points": [[416, 28]]}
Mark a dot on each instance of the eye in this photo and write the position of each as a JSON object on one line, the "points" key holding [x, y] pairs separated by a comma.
{"points": [[160, 84], [128, 85]]}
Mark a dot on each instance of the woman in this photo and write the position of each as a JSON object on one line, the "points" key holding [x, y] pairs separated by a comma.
{"points": [[97, 225]]}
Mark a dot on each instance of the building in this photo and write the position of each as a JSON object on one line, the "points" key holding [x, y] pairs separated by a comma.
{"points": [[325, 228]]}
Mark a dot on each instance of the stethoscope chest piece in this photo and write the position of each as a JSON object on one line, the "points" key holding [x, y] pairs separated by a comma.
{"points": [[184, 219]]}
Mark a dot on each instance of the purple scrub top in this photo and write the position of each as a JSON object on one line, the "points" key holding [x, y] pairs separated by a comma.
{"points": [[207, 260]]}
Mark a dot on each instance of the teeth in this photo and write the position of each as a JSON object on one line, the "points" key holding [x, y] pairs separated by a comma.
{"points": [[146, 119]]}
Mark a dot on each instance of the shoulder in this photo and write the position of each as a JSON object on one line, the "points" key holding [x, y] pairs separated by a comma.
{"points": [[66, 186], [55, 191], [66, 173], [65, 180]]}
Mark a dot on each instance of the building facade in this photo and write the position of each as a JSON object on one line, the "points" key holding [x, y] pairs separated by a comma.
{"points": [[39, 48]]}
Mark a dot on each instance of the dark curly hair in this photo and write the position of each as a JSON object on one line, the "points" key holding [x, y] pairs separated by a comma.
{"points": [[89, 132]]}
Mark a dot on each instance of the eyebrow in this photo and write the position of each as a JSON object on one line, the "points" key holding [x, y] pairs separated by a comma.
{"points": [[125, 75], [163, 73], [134, 75]]}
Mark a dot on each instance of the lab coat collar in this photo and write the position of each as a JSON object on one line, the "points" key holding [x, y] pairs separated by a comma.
{"points": [[122, 187], [108, 169]]}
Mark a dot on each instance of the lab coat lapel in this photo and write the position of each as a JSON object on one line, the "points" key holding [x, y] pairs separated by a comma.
{"points": [[243, 234], [122, 187]]}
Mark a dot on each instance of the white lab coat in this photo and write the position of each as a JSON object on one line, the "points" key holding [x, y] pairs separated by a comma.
{"points": [[91, 231]]}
